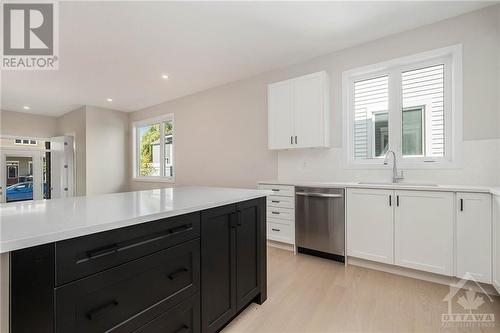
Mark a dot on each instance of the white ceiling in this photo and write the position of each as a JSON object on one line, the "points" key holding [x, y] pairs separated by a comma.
{"points": [[120, 49]]}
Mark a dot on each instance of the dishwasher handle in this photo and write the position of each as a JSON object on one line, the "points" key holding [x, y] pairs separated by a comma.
{"points": [[319, 195]]}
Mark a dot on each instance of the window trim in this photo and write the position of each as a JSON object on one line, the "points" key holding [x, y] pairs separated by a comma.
{"points": [[452, 57], [136, 143]]}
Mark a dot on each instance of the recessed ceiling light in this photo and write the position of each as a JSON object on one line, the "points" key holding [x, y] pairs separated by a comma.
{"points": [[164, 76], [26, 107], [109, 99]]}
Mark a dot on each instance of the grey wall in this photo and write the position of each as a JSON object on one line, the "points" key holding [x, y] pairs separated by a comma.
{"points": [[235, 115], [220, 136], [73, 123], [107, 150], [26, 124]]}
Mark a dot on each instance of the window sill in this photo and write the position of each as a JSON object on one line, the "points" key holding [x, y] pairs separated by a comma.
{"points": [[154, 179]]}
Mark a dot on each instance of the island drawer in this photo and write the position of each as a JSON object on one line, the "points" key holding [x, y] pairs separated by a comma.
{"points": [[183, 318], [83, 256], [138, 289]]}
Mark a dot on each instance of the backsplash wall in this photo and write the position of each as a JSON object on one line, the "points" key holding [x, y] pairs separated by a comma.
{"points": [[481, 166]]}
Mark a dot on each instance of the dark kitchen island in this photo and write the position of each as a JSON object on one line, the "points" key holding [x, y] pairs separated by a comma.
{"points": [[170, 260]]}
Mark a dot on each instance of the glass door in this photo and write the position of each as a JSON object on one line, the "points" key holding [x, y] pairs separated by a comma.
{"points": [[21, 176]]}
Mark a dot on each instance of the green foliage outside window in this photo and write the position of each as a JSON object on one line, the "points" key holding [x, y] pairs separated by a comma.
{"points": [[151, 135]]}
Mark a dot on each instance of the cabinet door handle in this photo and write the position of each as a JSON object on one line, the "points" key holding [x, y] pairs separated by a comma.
{"points": [[233, 220], [390, 200], [239, 218], [273, 229], [461, 205], [105, 306], [183, 329], [291, 139], [397, 200], [178, 272], [295, 139]]}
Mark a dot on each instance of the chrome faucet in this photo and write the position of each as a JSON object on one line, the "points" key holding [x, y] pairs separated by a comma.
{"points": [[396, 176]]}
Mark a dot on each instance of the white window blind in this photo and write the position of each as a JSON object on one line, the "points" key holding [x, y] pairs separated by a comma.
{"points": [[371, 101], [424, 88]]}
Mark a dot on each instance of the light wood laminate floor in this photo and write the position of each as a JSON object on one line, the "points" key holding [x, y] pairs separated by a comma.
{"points": [[309, 294]]}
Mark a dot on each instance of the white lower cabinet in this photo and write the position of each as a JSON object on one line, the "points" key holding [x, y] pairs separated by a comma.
{"points": [[412, 229], [280, 213], [369, 217], [496, 242], [423, 231], [474, 236]]}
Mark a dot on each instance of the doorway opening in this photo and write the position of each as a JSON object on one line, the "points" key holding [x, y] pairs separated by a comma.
{"points": [[36, 169]]}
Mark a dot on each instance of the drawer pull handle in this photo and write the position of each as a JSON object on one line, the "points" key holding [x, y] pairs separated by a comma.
{"points": [[105, 306], [183, 329], [111, 249], [275, 189], [275, 201], [273, 229], [180, 228], [276, 213], [178, 272], [103, 251]]}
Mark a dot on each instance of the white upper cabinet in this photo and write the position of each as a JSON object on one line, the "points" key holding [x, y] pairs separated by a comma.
{"points": [[474, 236], [423, 231], [369, 223], [280, 106], [299, 112]]}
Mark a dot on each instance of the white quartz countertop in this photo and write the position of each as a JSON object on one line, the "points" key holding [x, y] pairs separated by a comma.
{"points": [[26, 224], [398, 186]]}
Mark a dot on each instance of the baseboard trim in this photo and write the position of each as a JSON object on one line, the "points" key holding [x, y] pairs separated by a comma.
{"points": [[280, 245], [420, 275]]}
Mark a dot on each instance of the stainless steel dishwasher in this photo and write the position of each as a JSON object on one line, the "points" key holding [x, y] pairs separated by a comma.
{"points": [[319, 222]]}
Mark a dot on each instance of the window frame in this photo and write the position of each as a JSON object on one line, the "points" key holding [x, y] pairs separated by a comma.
{"points": [[451, 57], [136, 176], [14, 164]]}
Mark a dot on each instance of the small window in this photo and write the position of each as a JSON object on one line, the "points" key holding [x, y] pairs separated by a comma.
{"points": [[410, 105], [12, 170], [413, 132], [154, 151], [25, 142]]}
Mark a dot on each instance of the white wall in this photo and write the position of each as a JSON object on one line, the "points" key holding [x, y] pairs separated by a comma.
{"points": [[107, 148]]}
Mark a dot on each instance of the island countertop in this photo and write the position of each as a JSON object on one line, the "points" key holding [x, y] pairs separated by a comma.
{"points": [[27, 224]]}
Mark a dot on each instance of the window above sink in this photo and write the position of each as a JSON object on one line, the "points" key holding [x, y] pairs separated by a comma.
{"points": [[411, 105]]}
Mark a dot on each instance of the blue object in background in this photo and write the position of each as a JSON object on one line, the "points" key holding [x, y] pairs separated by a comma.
{"points": [[22, 191]]}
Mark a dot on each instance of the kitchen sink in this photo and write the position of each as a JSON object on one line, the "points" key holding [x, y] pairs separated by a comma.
{"points": [[397, 184]]}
